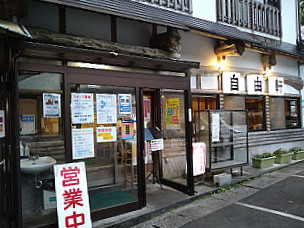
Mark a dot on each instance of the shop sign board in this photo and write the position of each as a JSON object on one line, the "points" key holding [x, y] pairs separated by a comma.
{"points": [[27, 124], [106, 134], [172, 113], [231, 82], [199, 158], [51, 105], [276, 86], [215, 127], [125, 104], [157, 144], [82, 108], [2, 124], [255, 84], [106, 108], [83, 143], [73, 209], [127, 129]]}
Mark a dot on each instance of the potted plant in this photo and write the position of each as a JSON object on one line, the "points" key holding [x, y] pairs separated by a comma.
{"points": [[262, 161], [297, 153], [282, 156]]}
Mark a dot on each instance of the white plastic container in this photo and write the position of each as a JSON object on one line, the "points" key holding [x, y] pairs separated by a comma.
{"points": [[27, 150], [21, 149]]}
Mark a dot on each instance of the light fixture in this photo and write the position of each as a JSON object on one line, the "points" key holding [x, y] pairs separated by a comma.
{"points": [[221, 63], [267, 71]]}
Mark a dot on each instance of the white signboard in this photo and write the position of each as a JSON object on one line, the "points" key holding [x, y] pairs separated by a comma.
{"points": [[255, 84], [82, 143], [276, 86], [106, 108], [2, 124], [231, 82], [215, 127], [73, 209], [51, 105], [157, 144], [199, 158], [82, 108], [106, 134]]}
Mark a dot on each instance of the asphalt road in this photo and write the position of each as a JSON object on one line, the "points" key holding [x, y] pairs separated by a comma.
{"points": [[273, 200]]}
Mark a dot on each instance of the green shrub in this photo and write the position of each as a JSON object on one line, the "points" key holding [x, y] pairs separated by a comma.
{"points": [[295, 149], [264, 155]]}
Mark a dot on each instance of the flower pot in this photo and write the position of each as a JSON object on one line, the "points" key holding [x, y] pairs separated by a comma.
{"points": [[286, 158], [262, 163], [298, 155]]}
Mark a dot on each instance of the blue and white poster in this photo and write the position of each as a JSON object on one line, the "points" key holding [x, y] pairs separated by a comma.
{"points": [[83, 143], [27, 124], [125, 103], [51, 105], [82, 108], [106, 108]]}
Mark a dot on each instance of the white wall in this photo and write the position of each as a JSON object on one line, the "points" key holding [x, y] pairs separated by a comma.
{"points": [[204, 9], [285, 66], [289, 21]]}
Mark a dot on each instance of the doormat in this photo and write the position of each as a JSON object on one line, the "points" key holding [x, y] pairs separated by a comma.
{"points": [[108, 199]]}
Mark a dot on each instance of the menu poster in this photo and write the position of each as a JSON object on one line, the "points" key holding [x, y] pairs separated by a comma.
{"points": [[27, 124], [215, 127], [82, 143], [157, 144], [125, 103], [127, 129], [2, 124], [106, 108], [172, 113], [51, 105], [106, 134], [82, 108], [147, 109]]}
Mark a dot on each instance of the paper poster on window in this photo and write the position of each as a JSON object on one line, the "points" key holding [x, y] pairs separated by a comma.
{"points": [[215, 127], [51, 105], [172, 113], [127, 129], [2, 124], [125, 103], [106, 108], [147, 109], [27, 124], [73, 206], [82, 108], [148, 152], [106, 134], [83, 143], [157, 144], [199, 158]]}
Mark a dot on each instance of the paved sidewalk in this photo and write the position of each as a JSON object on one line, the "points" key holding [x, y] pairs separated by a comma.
{"points": [[160, 201]]}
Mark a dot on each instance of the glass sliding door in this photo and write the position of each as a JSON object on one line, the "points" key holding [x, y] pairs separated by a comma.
{"points": [[174, 154], [104, 136]]}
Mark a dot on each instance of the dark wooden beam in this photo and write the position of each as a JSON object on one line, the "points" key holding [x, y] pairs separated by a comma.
{"points": [[113, 29], [62, 20]]}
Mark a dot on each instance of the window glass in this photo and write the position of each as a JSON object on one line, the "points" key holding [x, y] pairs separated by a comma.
{"points": [[108, 115], [41, 140], [277, 113], [234, 103], [255, 113], [193, 82], [292, 113]]}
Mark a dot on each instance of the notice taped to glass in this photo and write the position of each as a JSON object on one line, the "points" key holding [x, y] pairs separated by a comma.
{"points": [[82, 108], [215, 127], [51, 105], [83, 143], [106, 108]]}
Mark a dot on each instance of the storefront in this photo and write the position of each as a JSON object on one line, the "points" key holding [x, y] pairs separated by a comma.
{"points": [[75, 104]]}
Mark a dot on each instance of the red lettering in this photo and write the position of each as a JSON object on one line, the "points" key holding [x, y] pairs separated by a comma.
{"points": [[70, 176], [74, 220]]}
